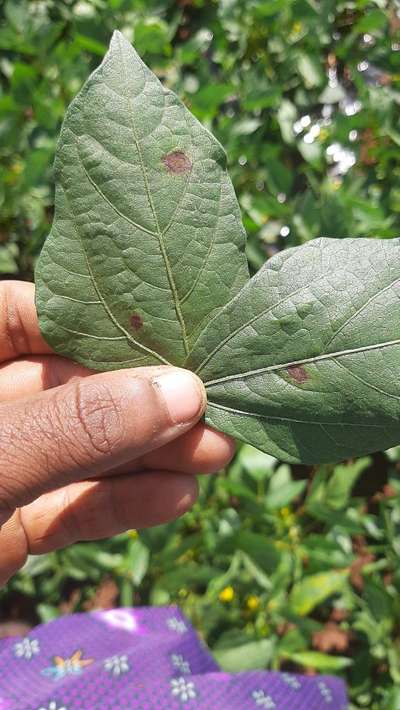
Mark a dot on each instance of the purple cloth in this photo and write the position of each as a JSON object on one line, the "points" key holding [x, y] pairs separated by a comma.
{"points": [[145, 659]]}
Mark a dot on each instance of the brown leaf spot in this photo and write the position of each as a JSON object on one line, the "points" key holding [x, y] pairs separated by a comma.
{"points": [[136, 321], [298, 373], [331, 638], [177, 162]]}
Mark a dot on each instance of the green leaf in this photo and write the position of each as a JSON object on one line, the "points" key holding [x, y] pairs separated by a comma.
{"points": [[145, 263], [8, 259], [286, 117], [247, 657], [372, 20], [256, 546], [319, 661], [342, 481], [311, 70], [281, 497], [258, 464], [147, 242], [47, 612], [313, 590], [139, 557], [304, 362], [246, 127]]}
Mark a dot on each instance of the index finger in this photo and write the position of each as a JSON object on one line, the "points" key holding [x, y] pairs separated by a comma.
{"points": [[19, 327]]}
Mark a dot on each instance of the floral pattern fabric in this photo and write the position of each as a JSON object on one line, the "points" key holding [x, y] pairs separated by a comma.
{"points": [[142, 659]]}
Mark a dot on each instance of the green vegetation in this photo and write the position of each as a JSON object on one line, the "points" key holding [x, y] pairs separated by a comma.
{"points": [[277, 565]]}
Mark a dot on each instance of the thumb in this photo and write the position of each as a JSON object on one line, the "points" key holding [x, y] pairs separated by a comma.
{"points": [[89, 426]]}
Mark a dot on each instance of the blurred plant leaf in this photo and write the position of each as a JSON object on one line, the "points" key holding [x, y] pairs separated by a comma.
{"points": [[313, 590], [249, 656], [319, 661]]}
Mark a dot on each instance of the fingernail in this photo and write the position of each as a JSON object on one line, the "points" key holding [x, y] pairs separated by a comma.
{"points": [[183, 395]]}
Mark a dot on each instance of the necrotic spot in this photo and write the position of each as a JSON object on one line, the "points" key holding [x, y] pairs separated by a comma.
{"points": [[177, 162], [298, 373], [136, 321]]}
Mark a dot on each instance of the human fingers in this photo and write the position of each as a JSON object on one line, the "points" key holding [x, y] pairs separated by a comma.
{"points": [[28, 376], [89, 510], [200, 450], [19, 328], [89, 426]]}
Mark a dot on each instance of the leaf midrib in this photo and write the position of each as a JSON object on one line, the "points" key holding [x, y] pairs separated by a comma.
{"points": [[242, 412], [251, 320], [305, 361], [160, 235]]}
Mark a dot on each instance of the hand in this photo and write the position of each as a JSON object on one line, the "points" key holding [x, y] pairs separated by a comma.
{"points": [[84, 455]]}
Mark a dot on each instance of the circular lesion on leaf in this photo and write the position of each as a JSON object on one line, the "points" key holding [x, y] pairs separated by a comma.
{"points": [[177, 162], [136, 321], [298, 373]]}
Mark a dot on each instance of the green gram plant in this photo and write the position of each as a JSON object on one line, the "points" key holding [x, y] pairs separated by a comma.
{"points": [[145, 265]]}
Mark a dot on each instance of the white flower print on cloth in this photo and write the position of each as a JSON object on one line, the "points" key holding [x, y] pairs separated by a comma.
{"points": [[262, 700], [175, 624], [291, 681], [183, 689], [52, 706], [325, 691], [116, 665], [179, 662], [27, 648]]}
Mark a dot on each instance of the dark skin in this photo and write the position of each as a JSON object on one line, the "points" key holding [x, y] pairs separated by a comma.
{"points": [[83, 455]]}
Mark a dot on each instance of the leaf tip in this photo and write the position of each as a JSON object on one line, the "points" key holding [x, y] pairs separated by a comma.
{"points": [[118, 39], [116, 36]]}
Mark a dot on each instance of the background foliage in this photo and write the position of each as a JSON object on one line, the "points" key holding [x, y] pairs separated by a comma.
{"points": [[277, 566]]}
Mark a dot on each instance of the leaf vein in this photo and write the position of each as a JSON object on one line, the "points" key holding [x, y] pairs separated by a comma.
{"points": [[364, 382], [164, 254], [289, 419], [127, 335], [250, 321], [359, 310], [207, 256], [105, 198], [305, 361]]}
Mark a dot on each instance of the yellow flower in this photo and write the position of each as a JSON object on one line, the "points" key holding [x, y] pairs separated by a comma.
{"points": [[17, 168], [227, 594], [253, 602], [295, 29], [287, 516]]}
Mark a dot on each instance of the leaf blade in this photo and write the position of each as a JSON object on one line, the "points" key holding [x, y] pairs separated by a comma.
{"points": [[143, 186], [302, 362]]}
